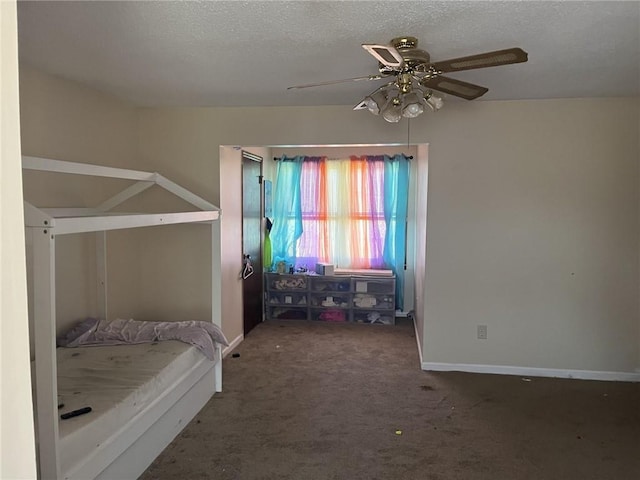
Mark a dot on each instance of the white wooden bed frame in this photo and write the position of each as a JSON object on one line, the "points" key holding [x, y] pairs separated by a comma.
{"points": [[132, 449]]}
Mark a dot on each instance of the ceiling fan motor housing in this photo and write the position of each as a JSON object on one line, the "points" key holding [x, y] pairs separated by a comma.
{"points": [[413, 56]]}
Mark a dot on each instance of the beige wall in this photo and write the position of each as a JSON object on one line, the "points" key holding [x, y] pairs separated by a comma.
{"points": [[532, 226], [17, 445], [532, 231], [66, 121], [420, 171], [231, 242]]}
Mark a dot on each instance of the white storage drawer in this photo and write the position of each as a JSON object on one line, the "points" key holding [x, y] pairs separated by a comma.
{"points": [[336, 315], [287, 313], [374, 285], [373, 301], [321, 283], [374, 317], [284, 282], [330, 298], [291, 298]]}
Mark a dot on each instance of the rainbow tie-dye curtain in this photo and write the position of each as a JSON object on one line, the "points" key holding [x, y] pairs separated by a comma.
{"points": [[350, 212]]}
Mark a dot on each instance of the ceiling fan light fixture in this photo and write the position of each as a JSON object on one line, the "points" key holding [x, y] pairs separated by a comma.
{"points": [[412, 105], [376, 101], [434, 102], [392, 112], [415, 77]]}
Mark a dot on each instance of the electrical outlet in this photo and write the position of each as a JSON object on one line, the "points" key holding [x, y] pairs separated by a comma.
{"points": [[482, 332]]}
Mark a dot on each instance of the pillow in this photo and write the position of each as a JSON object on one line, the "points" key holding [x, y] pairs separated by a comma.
{"points": [[77, 333]]}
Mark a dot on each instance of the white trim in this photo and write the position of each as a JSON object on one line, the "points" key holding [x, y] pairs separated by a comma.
{"points": [[234, 343], [66, 225], [532, 371], [418, 339], [216, 294], [81, 220], [60, 166], [44, 313], [125, 195]]}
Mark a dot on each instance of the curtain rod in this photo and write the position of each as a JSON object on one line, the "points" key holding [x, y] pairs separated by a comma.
{"points": [[410, 157]]}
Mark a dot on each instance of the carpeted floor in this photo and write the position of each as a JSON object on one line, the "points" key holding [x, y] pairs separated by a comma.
{"points": [[323, 401]]}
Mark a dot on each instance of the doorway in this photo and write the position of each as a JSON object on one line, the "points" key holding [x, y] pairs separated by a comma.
{"points": [[251, 240]]}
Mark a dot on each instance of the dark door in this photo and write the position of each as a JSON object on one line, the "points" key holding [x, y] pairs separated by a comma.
{"points": [[252, 239]]}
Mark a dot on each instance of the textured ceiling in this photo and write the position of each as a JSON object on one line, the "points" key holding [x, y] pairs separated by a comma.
{"points": [[246, 53]]}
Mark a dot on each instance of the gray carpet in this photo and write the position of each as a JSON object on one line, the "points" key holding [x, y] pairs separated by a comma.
{"points": [[323, 401]]}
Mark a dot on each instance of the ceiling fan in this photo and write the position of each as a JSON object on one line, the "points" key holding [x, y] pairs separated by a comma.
{"points": [[414, 77]]}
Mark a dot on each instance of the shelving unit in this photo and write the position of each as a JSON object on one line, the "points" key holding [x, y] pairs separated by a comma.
{"points": [[286, 296], [339, 298]]}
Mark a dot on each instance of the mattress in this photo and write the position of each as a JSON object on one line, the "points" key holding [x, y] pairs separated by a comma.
{"points": [[118, 383]]}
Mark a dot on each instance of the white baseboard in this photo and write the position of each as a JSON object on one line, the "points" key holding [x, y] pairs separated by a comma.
{"points": [[233, 344], [531, 371]]}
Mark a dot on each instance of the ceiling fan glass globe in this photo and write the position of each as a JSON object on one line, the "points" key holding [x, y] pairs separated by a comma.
{"points": [[413, 105], [375, 102], [393, 111], [435, 102]]}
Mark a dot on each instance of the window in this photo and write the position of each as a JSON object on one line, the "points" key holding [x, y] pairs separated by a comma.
{"points": [[342, 206], [350, 212]]}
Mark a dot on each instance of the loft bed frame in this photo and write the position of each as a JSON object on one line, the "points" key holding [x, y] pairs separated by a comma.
{"points": [[137, 444]]}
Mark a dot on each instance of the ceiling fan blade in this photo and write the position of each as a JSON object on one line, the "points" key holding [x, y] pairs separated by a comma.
{"points": [[332, 82], [386, 55], [465, 90], [482, 60]]}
